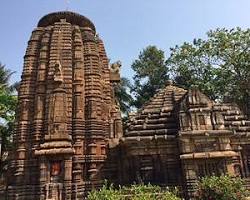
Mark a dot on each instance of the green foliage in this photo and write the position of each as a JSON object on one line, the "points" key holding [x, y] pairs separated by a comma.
{"points": [[151, 192], [151, 74], [8, 102], [5, 75], [134, 192], [219, 66], [221, 188], [7, 105], [123, 96], [105, 193]]}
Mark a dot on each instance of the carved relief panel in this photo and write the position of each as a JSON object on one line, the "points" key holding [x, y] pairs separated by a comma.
{"points": [[57, 113]]}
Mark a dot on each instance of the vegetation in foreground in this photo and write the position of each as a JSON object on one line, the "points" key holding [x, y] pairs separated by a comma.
{"points": [[134, 192], [221, 188]]}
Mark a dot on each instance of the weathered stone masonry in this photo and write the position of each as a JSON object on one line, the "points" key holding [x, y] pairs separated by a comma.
{"points": [[180, 136], [66, 109], [69, 134]]}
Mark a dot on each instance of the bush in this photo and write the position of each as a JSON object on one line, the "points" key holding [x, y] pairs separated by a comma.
{"points": [[105, 193], [221, 188], [134, 192]]}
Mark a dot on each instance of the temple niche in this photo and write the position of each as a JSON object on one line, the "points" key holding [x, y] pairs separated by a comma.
{"points": [[69, 136]]}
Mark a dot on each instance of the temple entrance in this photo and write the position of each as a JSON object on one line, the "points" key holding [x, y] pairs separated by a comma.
{"points": [[55, 186], [153, 169], [245, 157], [144, 169], [210, 167]]}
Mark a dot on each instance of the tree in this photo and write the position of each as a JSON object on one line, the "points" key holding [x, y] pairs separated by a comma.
{"points": [[8, 102], [219, 66], [151, 74], [123, 96], [5, 75]]}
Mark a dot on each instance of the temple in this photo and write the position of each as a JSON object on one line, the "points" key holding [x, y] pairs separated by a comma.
{"points": [[67, 112], [69, 136], [180, 136]]}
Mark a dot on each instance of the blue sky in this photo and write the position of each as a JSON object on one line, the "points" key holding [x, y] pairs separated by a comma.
{"points": [[126, 26]]}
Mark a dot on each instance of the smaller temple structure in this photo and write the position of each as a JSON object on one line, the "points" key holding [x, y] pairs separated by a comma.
{"points": [[180, 136]]}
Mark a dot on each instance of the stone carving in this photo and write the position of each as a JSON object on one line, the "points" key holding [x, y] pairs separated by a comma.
{"points": [[115, 67], [55, 168], [115, 72], [58, 74]]}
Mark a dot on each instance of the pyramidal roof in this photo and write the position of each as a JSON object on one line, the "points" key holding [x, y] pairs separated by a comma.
{"points": [[158, 116]]}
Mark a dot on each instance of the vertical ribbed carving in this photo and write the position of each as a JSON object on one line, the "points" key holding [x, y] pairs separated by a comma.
{"points": [[78, 111], [26, 99], [23, 139], [59, 83], [41, 88], [106, 88], [64, 112], [94, 136]]}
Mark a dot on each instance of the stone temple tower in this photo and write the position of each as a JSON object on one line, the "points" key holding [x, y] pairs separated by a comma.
{"points": [[67, 112]]}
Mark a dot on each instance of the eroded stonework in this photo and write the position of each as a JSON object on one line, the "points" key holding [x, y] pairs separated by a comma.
{"points": [[180, 136], [69, 134], [66, 111]]}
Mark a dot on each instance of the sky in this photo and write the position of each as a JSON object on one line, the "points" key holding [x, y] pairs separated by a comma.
{"points": [[126, 26]]}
